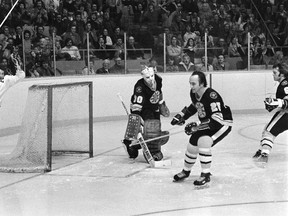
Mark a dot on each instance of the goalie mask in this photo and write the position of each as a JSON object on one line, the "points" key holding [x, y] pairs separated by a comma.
{"points": [[149, 77]]}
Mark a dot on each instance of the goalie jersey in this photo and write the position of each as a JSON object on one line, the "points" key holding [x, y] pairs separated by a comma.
{"points": [[146, 98], [211, 107]]}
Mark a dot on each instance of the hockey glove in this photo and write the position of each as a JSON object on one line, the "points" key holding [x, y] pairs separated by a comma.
{"points": [[273, 103], [164, 109], [195, 126], [191, 128], [178, 119]]}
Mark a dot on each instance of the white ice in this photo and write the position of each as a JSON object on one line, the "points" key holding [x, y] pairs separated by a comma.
{"points": [[111, 184]]}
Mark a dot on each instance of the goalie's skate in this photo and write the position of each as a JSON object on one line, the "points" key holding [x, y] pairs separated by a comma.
{"points": [[181, 176], [132, 152], [203, 181]]}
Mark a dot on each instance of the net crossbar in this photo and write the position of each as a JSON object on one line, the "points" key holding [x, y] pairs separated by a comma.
{"points": [[57, 118]]}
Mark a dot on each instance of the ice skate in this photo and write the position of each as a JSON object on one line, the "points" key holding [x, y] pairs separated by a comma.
{"points": [[131, 151], [257, 154], [262, 160], [181, 176], [158, 156], [203, 181]]}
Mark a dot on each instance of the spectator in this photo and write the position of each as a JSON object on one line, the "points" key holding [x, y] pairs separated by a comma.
{"points": [[188, 34], [5, 35], [8, 49], [18, 35], [71, 49], [189, 49], [186, 65], [171, 67], [117, 34], [108, 23], [44, 69], [107, 38], [268, 52], [27, 46], [279, 58], [39, 14], [154, 64], [39, 35], [83, 10], [105, 69], [80, 25], [134, 51], [151, 17], [21, 15], [41, 52], [119, 47], [256, 51], [202, 66], [221, 48], [73, 35], [118, 67], [59, 54], [90, 70], [138, 12], [174, 51], [221, 64], [145, 38], [177, 25], [60, 24], [93, 39], [233, 48], [5, 67], [103, 51]]}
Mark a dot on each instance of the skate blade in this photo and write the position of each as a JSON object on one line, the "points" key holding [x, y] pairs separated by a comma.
{"points": [[201, 187], [163, 163]]}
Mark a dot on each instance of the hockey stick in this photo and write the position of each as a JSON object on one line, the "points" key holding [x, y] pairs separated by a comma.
{"points": [[156, 138], [123, 104]]}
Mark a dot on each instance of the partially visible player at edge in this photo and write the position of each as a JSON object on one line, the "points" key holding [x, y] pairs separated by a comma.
{"points": [[279, 122], [147, 101], [8, 81], [215, 123]]}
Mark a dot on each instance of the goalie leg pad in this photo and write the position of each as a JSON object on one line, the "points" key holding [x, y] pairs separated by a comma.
{"points": [[133, 127], [152, 129]]}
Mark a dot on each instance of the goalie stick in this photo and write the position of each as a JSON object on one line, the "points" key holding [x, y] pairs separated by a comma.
{"points": [[145, 149]]}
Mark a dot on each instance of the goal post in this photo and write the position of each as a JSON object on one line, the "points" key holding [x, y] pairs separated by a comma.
{"points": [[57, 118]]}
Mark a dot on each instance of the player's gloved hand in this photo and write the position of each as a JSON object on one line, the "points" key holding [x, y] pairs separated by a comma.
{"points": [[191, 128], [178, 120], [272, 103]]}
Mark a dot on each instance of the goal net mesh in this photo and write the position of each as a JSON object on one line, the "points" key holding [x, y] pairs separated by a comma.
{"points": [[70, 127]]}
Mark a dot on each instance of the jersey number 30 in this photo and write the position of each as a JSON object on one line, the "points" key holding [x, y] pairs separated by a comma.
{"points": [[138, 99]]}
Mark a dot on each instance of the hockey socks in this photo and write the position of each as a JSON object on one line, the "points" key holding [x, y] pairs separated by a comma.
{"points": [[181, 176]]}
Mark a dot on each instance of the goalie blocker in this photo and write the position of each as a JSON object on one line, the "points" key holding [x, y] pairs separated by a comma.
{"points": [[150, 129]]}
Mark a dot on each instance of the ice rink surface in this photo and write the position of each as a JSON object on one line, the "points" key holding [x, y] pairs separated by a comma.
{"points": [[111, 184]]}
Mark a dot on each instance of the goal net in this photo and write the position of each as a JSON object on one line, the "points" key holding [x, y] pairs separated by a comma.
{"points": [[57, 118]]}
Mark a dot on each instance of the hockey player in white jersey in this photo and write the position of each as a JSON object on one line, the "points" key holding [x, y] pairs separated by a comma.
{"points": [[7, 81]]}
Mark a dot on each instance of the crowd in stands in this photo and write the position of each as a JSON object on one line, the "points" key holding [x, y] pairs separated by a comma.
{"points": [[184, 22]]}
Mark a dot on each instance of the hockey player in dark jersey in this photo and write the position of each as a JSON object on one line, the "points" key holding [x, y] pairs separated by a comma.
{"points": [[147, 101], [215, 120], [279, 122]]}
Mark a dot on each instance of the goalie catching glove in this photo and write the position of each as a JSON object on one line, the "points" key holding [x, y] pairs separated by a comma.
{"points": [[273, 103], [193, 127]]}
